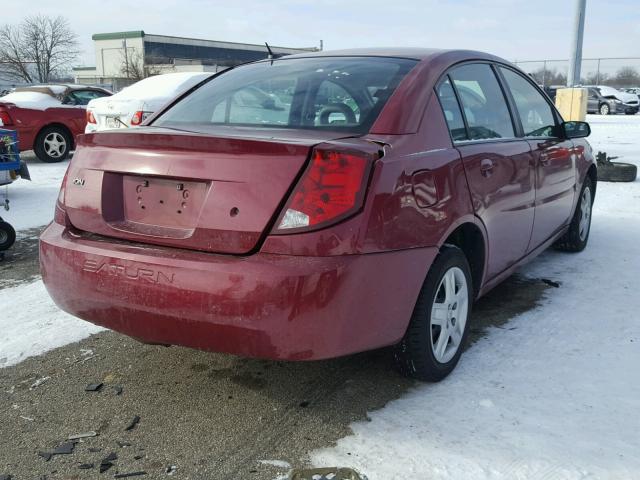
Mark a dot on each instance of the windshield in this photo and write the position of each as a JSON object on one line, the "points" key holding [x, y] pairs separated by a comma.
{"points": [[332, 93]]}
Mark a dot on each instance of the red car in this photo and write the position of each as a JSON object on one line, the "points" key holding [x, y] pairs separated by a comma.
{"points": [[48, 117], [319, 205]]}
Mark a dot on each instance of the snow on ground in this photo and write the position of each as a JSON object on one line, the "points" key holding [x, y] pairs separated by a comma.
{"points": [[31, 324], [556, 395], [32, 203]]}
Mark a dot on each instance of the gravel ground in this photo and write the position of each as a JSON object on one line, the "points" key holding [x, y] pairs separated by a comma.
{"points": [[202, 415]]}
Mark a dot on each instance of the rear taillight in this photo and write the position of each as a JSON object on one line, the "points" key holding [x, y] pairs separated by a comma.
{"points": [[5, 118], [139, 117], [90, 117], [331, 190], [60, 215]]}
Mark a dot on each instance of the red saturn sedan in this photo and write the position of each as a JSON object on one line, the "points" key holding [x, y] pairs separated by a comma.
{"points": [[319, 205]]}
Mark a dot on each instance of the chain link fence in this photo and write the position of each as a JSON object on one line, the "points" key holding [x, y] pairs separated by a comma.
{"points": [[615, 72]]}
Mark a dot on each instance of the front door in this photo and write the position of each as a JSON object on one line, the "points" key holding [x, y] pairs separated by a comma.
{"points": [[554, 157]]}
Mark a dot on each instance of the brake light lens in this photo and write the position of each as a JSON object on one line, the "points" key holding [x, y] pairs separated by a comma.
{"points": [[60, 214], [90, 117], [5, 118], [139, 117], [331, 189]]}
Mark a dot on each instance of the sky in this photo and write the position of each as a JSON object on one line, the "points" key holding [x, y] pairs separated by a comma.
{"points": [[512, 29]]}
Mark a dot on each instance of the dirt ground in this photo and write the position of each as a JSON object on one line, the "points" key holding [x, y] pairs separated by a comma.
{"points": [[202, 415]]}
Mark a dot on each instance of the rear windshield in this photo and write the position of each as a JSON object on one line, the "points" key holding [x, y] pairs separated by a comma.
{"points": [[329, 93]]}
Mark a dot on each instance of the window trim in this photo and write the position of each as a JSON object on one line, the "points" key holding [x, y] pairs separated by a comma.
{"points": [[464, 115], [517, 126], [455, 94], [554, 112]]}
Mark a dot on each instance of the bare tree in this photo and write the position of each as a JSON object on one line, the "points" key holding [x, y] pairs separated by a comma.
{"points": [[38, 49], [133, 66]]}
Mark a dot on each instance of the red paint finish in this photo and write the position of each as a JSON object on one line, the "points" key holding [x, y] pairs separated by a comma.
{"points": [[221, 276]]}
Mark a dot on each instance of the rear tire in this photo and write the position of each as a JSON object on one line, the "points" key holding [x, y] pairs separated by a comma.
{"points": [[52, 144], [7, 236], [438, 329], [604, 109], [576, 238]]}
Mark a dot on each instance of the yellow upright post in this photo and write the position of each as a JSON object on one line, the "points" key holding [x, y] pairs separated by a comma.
{"points": [[572, 103]]}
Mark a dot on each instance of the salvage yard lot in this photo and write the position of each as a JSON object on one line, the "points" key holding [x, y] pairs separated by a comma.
{"points": [[550, 388]]}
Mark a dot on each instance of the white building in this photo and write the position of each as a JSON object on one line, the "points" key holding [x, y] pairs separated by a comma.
{"points": [[122, 52]]}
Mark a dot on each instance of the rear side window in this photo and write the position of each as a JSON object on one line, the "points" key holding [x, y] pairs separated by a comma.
{"points": [[330, 93], [452, 112], [534, 111], [483, 102]]}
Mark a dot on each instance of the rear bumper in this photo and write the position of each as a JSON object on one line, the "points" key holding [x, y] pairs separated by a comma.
{"points": [[268, 306]]}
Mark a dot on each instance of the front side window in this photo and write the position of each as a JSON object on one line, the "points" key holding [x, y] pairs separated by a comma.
{"points": [[452, 112], [534, 111], [483, 102], [332, 93]]}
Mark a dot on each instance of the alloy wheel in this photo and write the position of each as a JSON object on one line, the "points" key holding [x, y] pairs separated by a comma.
{"points": [[585, 214], [55, 145], [449, 315]]}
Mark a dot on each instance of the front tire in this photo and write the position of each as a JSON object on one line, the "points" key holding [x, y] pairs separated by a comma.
{"points": [[52, 145], [604, 109], [576, 238], [438, 329]]}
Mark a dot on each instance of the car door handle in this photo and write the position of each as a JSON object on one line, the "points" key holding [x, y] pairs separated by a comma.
{"points": [[486, 167]]}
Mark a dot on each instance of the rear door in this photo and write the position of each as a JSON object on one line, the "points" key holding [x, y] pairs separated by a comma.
{"points": [[554, 157], [498, 164]]}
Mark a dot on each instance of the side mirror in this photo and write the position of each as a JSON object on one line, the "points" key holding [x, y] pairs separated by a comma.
{"points": [[576, 129]]}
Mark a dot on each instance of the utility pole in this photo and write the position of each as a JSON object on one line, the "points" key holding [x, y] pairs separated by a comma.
{"points": [[575, 63]]}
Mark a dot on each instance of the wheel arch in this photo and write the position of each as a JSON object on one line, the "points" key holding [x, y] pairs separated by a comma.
{"points": [[470, 238]]}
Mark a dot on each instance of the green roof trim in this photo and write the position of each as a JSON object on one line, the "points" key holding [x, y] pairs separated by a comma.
{"points": [[118, 35]]}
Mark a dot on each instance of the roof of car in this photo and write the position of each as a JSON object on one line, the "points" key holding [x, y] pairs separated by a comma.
{"points": [[57, 89], [397, 52]]}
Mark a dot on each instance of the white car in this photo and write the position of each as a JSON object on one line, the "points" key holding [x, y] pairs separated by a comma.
{"points": [[132, 105]]}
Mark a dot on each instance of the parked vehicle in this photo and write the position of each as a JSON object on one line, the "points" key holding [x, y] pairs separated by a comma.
{"points": [[134, 104], [392, 189], [607, 100], [48, 117], [634, 91]]}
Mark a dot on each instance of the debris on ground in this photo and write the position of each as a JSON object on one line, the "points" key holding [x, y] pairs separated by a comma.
{"points": [[132, 474], [85, 466], [107, 462], [123, 444], [93, 387], [118, 389], [304, 404], [64, 449], [38, 382], [133, 423], [78, 436], [333, 473], [551, 283], [5, 477], [170, 470]]}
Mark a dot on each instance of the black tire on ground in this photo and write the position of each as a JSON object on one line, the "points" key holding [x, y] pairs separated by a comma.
{"points": [[573, 241], [414, 355], [7, 236], [617, 172], [49, 134], [604, 109]]}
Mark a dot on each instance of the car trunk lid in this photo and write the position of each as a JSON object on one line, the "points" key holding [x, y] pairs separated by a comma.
{"points": [[218, 192]]}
